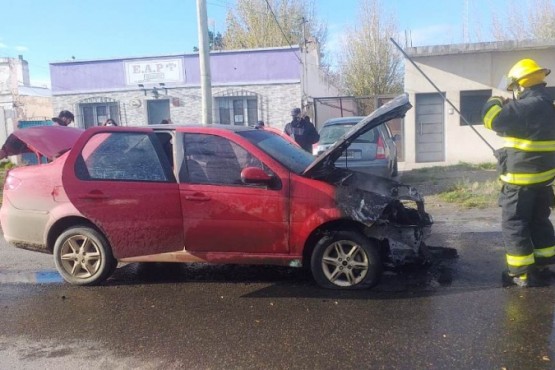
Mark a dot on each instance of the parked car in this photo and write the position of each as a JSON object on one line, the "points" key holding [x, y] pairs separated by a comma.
{"points": [[218, 194], [373, 152]]}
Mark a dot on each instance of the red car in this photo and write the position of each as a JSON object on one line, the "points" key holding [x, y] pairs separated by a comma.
{"points": [[215, 194]]}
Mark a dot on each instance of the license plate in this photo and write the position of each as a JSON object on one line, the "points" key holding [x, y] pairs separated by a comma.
{"points": [[353, 154]]}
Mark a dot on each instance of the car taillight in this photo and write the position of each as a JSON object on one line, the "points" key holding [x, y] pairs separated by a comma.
{"points": [[11, 182], [380, 151]]}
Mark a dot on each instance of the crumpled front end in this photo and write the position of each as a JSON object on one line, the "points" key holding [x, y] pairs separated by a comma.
{"points": [[393, 213]]}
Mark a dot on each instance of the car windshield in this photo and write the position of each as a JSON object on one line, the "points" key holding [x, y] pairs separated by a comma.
{"points": [[331, 133], [282, 150]]}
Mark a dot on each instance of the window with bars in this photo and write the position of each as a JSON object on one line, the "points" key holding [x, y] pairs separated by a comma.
{"points": [[95, 114], [237, 110]]}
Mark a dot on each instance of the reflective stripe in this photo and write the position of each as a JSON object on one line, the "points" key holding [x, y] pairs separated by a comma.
{"points": [[527, 178], [518, 261], [529, 145], [545, 252], [490, 115]]}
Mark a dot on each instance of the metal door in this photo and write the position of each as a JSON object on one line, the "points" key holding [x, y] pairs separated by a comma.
{"points": [[158, 110], [430, 138]]}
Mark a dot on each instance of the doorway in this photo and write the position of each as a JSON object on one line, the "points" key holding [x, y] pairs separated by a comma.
{"points": [[158, 110], [430, 137]]}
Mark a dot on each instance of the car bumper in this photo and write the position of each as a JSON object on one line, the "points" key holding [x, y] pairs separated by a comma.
{"points": [[24, 229]]}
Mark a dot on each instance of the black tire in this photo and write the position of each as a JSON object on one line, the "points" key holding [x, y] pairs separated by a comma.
{"points": [[346, 260], [395, 169], [83, 256]]}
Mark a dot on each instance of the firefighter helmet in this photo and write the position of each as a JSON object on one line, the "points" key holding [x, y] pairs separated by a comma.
{"points": [[526, 73]]}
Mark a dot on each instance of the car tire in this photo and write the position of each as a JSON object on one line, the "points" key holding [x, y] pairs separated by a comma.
{"points": [[83, 256], [395, 169], [346, 260]]}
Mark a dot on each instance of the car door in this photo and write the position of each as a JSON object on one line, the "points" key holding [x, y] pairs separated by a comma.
{"points": [[220, 213], [121, 180]]}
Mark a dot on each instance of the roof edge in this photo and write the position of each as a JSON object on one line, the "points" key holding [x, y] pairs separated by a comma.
{"points": [[479, 47], [213, 52]]}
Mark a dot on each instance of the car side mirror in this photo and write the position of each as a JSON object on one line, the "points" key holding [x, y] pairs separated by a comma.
{"points": [[255, 175]]}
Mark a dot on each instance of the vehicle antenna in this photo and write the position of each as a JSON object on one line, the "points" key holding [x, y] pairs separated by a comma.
{"points": [[442, 95]]}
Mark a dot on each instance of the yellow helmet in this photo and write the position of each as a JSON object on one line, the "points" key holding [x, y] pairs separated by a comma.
{"points": [[526, 73]]}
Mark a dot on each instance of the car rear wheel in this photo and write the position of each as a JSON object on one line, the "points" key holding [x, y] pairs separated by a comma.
{"points": [[83, 256], [346, 260]]}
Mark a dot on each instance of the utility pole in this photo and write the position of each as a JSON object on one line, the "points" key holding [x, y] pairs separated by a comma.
{"points": [[204, 58]]}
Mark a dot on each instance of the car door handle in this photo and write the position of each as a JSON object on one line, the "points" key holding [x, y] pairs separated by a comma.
{"points": [[199, 197], [94, 194]]}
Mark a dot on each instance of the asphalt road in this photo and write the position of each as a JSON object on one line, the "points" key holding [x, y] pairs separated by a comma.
{"points": [[453, 314]]}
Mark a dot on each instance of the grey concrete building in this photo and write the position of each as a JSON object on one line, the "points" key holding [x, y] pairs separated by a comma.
{"points": [[467, 74]]}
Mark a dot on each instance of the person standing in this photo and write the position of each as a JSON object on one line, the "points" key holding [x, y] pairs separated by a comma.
{"points": [[64, 118], [109, 122], [527, 168], [302, 131]]}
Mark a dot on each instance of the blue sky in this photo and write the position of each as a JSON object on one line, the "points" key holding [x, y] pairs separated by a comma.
{"points": [[45, 31]]}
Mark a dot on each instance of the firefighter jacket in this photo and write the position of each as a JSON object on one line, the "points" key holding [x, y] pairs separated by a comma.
{"points": [[528, 128]]}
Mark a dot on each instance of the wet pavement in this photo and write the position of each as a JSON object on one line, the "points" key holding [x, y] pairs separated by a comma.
{"points": [[453, 313]]}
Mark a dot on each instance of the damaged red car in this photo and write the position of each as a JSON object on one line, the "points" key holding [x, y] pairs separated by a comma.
{"points": [[215, 194]]}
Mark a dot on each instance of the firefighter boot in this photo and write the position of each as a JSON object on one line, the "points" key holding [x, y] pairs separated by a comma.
{"points": [[532, 279], [518, 280]]}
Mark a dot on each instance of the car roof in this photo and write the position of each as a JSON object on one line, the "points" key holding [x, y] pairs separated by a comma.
{"points": [[200, 126]]}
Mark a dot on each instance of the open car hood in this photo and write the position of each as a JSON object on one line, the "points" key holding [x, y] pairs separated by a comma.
{"points": [[395, 108], [49, 141]]}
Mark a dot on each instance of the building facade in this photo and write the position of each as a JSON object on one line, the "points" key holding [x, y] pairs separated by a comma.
{"points": [[247, 85], [467, 75], [19, 101]]}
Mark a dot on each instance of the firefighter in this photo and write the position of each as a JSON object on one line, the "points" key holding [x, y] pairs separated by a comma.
{"points": [[527, 168]]}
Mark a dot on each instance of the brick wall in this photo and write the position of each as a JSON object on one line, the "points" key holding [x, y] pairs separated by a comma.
{"points": [[275, 102]]}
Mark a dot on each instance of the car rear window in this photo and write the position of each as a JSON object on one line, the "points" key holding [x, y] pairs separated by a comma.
{"points": [[124, 157], [331, 133]]}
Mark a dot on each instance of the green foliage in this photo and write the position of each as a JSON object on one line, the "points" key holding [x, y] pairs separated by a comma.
{"points": [[6, 165], [259, 24], [472, 194], [215, 42]]}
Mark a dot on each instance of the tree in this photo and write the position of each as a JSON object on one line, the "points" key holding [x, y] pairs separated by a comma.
{"points": [[369, 64], [271, 23], [215, 41], [518, 20]]}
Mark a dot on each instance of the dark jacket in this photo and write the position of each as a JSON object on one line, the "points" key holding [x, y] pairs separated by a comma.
{"points": [[528, 126], [303, 132]]}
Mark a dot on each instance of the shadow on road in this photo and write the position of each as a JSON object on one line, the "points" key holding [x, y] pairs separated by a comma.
{"points": [[445, 273]]}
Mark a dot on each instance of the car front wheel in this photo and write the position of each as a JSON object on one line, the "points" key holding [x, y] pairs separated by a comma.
{"points": [[346, 260], [83, 256]]}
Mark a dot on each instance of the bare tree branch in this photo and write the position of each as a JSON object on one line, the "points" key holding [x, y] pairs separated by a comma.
{"points": [[369, 63]]}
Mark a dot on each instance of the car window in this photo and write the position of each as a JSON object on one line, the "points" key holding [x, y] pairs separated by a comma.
{"points": [[331, 133], [123, 156], [211, 159], [290, 155]]}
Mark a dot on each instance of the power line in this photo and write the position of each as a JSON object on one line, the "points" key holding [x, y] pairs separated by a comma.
{"points": [[281, 29]]}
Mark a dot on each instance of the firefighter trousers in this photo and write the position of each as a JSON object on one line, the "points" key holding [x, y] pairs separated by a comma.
{"points": [[527, 231]]}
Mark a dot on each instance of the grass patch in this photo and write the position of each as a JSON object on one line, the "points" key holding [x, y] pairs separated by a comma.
{"points": [[472, 194], [461, 166]]}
